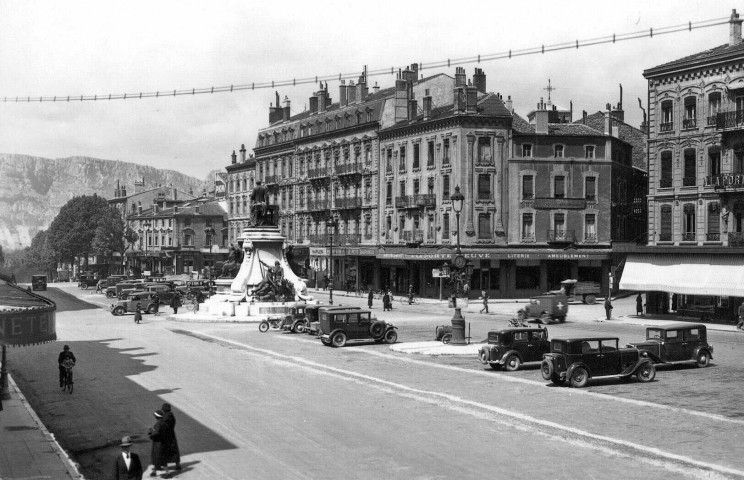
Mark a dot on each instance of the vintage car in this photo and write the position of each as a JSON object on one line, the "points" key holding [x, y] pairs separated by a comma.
{"points": [[294, 321], [115, 290], [339, 325], [164, 292], [110, 281], [312, 320], [547, 308], [511, 347], [576, 360], [677, 342], [87, 279], [192, 287], [38, 282], [128, 304]]}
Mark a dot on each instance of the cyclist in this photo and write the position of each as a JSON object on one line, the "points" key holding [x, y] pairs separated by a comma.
{"points": [[65, 354]]}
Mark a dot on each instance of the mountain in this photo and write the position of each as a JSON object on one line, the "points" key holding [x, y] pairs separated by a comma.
{"points": [[33, 189]]}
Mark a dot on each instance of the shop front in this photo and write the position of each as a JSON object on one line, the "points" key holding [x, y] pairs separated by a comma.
{"points": [[320, 273], [699, 287]]}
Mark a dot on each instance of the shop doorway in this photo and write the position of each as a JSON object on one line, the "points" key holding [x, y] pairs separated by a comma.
{"points": [[557, 272]]}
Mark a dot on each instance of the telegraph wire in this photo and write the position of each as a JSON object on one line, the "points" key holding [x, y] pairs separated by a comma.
{"points": [[541, 50]]}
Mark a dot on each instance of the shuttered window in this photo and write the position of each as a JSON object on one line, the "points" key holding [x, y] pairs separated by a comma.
{"points": [[666, 223]]}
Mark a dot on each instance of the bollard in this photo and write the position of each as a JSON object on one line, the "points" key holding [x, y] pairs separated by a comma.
{"points": [[458, 328]]}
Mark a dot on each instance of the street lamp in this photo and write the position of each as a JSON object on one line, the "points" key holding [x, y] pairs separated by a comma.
{"points": [[459, 264], [333, 224], [457, 200], [209, 231], [147, 225]]}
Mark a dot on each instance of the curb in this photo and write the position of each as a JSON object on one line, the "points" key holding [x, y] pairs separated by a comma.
{"points": [[69, 464]]}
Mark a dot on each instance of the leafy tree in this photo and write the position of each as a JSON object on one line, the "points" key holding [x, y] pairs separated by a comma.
{"points": [[76, 225], [39, 256]]}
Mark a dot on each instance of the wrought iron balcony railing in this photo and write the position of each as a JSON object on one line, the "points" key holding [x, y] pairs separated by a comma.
{"points": [[416, 201], [348, 202], [348, 168], [665, 183], [689, 181], [562, 235], [730, 120], [712, 120], [689, 237], [666, 127], [689, 123], [736, 239], [713, 237], [665, 237], [323, 204], [590, 237], [317, 172]]}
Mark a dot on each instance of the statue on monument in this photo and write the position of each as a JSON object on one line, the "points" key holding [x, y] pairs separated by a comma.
{"points": [[274, 286], [232, 266], [262, 212]]}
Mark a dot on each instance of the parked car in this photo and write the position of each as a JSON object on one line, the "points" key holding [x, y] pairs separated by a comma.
{"points": [[191, 287], [38, 282], [577, 360], [547, 308], [339, 325], [677, 342], [130, 302], [294, 321], [511, 347], [164, 292], [87, 279], [110, 281], [312, 317], [115, 290]]}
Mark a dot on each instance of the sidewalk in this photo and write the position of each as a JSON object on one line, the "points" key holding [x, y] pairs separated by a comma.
{"points": [[27, 449]]}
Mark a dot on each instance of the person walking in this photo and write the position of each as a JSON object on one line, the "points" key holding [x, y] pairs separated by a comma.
{"points": [[608, 308], [137, 313], [370, 297], [639, 305], [172, 453], [410, 294], [158, 433], [127, 465], [485, 302], [386, 301], [156, 302], [175, 303], [465, 290]]}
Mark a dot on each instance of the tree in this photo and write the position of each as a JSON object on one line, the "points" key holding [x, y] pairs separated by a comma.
{"points": [[75, 226], [39, 256]]}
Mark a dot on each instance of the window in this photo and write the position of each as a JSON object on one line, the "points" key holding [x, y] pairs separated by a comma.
{"points": [[665, 234], [389, 162], [389, 224], [690, 114], [590, 227], [484, 187], [445, 226], [667, 116], [188, 240], [666, 170], [558, 151], [402, 188], [528, 191], [714, 107], [430, 155], [526, 150], [402, 165], [688, 221], [446, 153], [445, 187], [402, 222], [528, 228], [589, 151], [738, 166], [187, 222], [416, 155], [714, 222], [559, 225], [416, 184], [559, 185], [484, 226], [484, 150], [689, 179], [430, 223], [590, 189], [430, 186], [714, 162]]}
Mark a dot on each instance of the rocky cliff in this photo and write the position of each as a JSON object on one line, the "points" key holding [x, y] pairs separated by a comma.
{"points": [[33, 189]]}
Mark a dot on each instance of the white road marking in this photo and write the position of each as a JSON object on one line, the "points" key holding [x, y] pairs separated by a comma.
{"points": [[641, 452]]}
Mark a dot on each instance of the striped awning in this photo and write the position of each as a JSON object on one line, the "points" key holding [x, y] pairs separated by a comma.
{"points": [[715, 275]]}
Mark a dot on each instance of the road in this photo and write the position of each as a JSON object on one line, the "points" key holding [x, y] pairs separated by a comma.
{"points": [[282, 406]]}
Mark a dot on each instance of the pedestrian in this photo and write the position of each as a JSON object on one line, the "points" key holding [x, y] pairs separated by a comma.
{"points": [[370, 297], [639, 305], [740, 325], [485, 302], [386, 301], [608, 307], [465, 290], [137, 313], [156, 301], [325, 282], [172, 453], [410, 294], [158, 433], [127, 465], [195, 304], [175, 303]]}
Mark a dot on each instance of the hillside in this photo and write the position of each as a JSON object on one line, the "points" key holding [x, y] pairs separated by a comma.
{"points": [[33, 189]]}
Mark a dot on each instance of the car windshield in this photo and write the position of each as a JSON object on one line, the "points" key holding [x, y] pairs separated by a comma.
{"points": [[654, 333], [494, 337], [557, 346]]}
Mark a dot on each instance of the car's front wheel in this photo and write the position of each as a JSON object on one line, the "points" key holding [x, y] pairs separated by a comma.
{"points": [[579, 377], [703, 359], [512, 363], [339, 339], [391, 336], [109, 294], [646, 373], [299, 327], [119, 311], [546, 369], [84, 286], [263, 327]]}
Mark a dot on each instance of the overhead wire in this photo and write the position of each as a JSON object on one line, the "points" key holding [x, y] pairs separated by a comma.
{"points": [[542, 49]]}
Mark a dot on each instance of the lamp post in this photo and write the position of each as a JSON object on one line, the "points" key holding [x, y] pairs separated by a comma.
{"points": [[147, 225], [458, 264], [209, 232], [331, 223]]}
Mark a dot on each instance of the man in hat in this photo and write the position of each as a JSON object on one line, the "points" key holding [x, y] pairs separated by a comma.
{"points": [[158, 433], [172, 453], [127, 465], [63, 355]]}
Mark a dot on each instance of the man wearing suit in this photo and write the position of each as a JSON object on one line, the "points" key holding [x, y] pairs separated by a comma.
{"points": [[127, 465]]}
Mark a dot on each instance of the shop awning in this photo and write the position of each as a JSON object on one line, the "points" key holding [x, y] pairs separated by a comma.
{"points": [[715, 275]]}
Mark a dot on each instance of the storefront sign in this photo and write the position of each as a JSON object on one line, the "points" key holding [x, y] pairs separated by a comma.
{"points": [[431, 256], [363, 252], [318, 252], [503, 255], [726, 180]]}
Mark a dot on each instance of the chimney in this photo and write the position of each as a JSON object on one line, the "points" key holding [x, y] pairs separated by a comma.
{"points": [[541, 118], [362, 83], [242, 153], [427, 105], [123, 191], [286, 113], [570, 112], [351, 93], [376, 88], [234, 157], [342, 101], [401, 99], [479, 80], [139, 186], [409, 74], [314, 103], [583, 116], [509, 105], [608, 122], [275, 112], [734, 29], [322, 98], [459, 77], [471, 99], [174, 192], [412, 109], [415, 68], [116, 192]]}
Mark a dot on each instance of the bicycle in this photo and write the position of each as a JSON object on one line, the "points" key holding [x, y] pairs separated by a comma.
{"points": [[414, 301], [67, 383]]}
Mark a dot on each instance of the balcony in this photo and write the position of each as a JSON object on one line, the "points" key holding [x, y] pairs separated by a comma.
{"points": [[590, 237], [665, 183], [410, 236], [712, 120], [348, 202], [339, 239], [561, 236], [313, 205], [689, 181], [349, 169], [388, 170], [713, 237], [270, 179], [317, 172], [689, 237], [736, 239], [730, 120], [689, 123], [418, 200], [665, 237], [666, 127]]}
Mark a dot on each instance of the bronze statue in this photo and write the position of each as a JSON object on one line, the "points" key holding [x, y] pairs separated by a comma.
{"points": [[232, 266], [259, 205]]}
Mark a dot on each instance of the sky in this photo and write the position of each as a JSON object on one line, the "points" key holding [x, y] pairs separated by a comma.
{"points": [[53, 48]]}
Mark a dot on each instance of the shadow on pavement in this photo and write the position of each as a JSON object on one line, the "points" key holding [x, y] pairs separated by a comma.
{"points": [[105, 406]]}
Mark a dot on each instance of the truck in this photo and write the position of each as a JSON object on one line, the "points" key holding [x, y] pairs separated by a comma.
{"points": [[584, 291]]}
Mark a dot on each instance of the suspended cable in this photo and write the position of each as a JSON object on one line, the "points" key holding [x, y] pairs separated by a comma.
{"points": [[542, 49]]}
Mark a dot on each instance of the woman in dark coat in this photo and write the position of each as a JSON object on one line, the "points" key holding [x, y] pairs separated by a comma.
{"points": [[639, 305], [370, 297], [386, 301], [137, 314], [159, 435], [172, 453]]}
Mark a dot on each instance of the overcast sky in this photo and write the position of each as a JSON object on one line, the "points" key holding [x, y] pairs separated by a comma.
{"points": [[61, 48]]}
